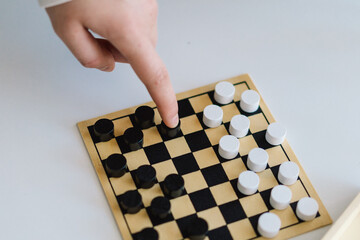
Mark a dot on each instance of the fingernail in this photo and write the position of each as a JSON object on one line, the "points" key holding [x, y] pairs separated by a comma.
{"points": [[105, 69], [174, 121]]}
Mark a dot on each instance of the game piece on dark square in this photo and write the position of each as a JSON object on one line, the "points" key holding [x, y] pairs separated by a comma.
{"points": [[184, 222], [144, 117], [221, 159], [131, 201], [234, 184], [224, 92], [116, 165], [232, 211], [156, 220], [229, 147], [288, 173], [239, 126], [275, 133], [134, 138], [104, 129], [197, 141], [222, 233], [169, 132], [147, 234], [212, 116], [160, 207], [185, 164], [202, 199], [157, 153], [249, 101], [145, 176], [214, 175], [185, 108], [248, 182], [261, 141], [307, 209], [280, 197], [269, 225], [197, 229], [174, 185]]}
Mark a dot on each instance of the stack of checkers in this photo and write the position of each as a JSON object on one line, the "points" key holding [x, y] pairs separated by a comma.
{"points": [[215, 175]]}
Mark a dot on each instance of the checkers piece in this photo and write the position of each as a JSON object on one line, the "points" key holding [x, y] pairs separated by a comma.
{"points": [[145, 176], [115, 165], [224, 92], [307, 208], [160, 207], [134, 138], [169, 132], [131, 201], [228, 147], [212, 116], [275, 133], [280, 197], [288, 173], [144, 116], [269, 225], [174, 185], [147, 234], [249, 101], [257, 159], [239, 126], [104, 129], [197, 229], [248, 182]]}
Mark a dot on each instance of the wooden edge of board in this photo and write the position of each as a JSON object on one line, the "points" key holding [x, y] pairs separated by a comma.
{"points": [[344, 221]]}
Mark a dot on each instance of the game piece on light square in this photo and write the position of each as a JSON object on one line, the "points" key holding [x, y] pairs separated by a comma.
{"points": [[288, 173], [280, 197], [239, 126], [160, 207], [144, 116], [174, 185], [257, 159], [269, 225], [131, 201], [228, 147], [147, 234], [145, 176], [249, 101], [197, 229], [212, 116], [248, 182], [104, 129], [224, 92], [307, 208], [116, 165], [170, 132], [275, 133], [134, 138]]}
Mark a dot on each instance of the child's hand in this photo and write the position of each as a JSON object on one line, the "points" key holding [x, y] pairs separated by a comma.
{"points": [[131, 32]]}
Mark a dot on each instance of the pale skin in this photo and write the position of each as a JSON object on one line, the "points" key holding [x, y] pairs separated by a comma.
{"points": [[130, 31]]}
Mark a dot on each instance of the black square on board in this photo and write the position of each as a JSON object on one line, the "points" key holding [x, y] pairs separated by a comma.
{"points": [[122, 145], [202, 199], [232, 211], [184, 223], [157, 153], [220, 233], [275, 171], [254, 222], [185, 164], [197, 141], [185, 108], [261, 141], [199, 115], [214, 175], [266, 197], [157, 221]]}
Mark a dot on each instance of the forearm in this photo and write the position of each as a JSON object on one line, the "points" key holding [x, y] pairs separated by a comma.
{"points": [[51, 3]]}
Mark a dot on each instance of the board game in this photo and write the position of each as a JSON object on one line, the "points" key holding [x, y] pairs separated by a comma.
{"points": [[210, 180]]}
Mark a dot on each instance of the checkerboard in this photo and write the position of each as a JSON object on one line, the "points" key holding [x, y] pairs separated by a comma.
{"points": [[210, 181]]}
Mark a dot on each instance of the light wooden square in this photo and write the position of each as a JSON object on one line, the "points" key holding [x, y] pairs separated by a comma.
{"points": [[206, 157], [287, 216], [194, 181], [190, 124], [267, 180], [105, 149], [234, 167], [120, 125], [253, 205], [223, 193], [276, 156], [239, 89], [157, 117], [241, 230], [138, 221], [213, 217], [135, 159], [214, 134], [163, 169], [169, 230], [177, 147], [246, 144], [182, 207], [298, 191], [229, 111], [151, 136], [122, 184], [258, 123], [149, 194], [200, 102]]}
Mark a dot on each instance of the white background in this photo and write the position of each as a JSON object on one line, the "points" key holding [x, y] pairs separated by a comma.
{"points": [[303, 56]]}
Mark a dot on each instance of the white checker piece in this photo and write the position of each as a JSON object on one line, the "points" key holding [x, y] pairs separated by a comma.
{"points": [[307, 208], [239, 126], [257, 159], [288, 173], [212, 116], [224, 92], [280, 197], [269, 225], [228, 147], [275, 133], [248, 182], [249, 101]]}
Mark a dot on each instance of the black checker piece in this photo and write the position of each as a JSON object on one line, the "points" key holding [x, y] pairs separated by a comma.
{"points": [[202, 200], [157, 153], [185, 164], [232, 211], [197, 141], [184, 222], [214, 175]]}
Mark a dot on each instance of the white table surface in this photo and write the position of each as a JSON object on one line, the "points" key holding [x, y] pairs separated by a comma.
{"points": [[304, 57]]}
